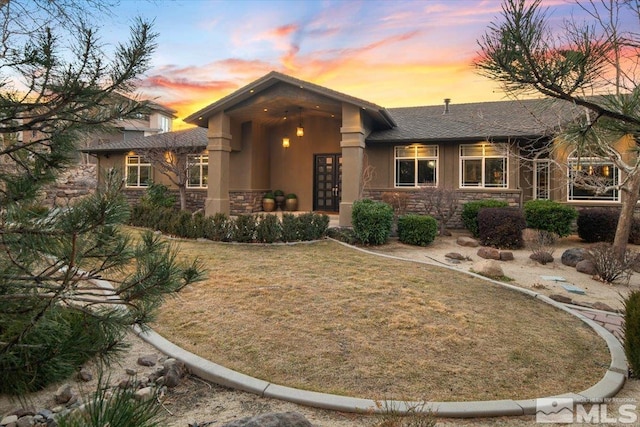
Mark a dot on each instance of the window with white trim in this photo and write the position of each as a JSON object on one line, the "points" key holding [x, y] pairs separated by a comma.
{"points": [[586, 174], [542, 177], [138, 171], [165, 124], [483, 165], [197, 170], [416, 166]]}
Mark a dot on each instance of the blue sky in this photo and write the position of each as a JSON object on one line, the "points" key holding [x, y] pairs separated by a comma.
{"points": [[391, 52]]}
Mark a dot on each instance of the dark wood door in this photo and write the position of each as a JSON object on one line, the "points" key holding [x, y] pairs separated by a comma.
{"points": [[327, 182]]}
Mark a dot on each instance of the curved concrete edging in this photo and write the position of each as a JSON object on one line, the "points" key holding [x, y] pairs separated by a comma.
{"points": [[608, 386]]}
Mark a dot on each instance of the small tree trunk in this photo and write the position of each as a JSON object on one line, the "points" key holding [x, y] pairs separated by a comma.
{"points": [[626, 215], [183, 197]]}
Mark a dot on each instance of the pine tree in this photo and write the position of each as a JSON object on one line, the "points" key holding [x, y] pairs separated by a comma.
{"points": [[55, 310]]}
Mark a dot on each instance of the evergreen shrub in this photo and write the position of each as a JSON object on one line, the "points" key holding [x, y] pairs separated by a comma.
{"points": [[550, 216], [371, 221], [501, 227], [418, 230], [470, 213], [597, 224]]}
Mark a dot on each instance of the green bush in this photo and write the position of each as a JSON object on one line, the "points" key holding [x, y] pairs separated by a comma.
{"points": [[345, 235], [244, 229], [158, 196], [597, 224], [372, 221], [470, 213], [418, 230], [632, 331], [217, 228], [550, 216], [311, 226], [269, 229], [501, 227], [289, 228]]}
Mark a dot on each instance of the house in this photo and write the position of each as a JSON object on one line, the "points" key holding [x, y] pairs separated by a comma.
{"points": [[331, 149]]}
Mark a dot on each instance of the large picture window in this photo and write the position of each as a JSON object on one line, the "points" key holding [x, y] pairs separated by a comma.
{"points": [[138, 171], [416, 165], [198, 170], [587, 175], [483, 165]]}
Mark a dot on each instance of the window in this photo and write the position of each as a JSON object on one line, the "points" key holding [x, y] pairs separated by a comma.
{"points": [[198, 170], [542, 177], [138, 171], [416, 165], [165, 124], [483, 165], [588, 173]]}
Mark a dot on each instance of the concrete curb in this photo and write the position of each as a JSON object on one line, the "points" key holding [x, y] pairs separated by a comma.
{"points": [[608, 386]]}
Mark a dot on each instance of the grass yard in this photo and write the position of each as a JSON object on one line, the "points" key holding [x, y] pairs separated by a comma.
{"points": [[324, 317]]}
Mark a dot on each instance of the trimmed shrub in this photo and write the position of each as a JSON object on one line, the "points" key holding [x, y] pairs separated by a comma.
{"points": [[597, 224], [158, 196], [501, 227], [311, 226], [470, 213], [218, 228], [550, 216], [418, 230], [371, 221], [244, 229], [269, 229], [632, 331], [289, 228], [345, 235]]}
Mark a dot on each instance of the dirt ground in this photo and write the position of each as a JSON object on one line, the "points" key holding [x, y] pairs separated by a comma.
{"points": [[196, 402]]}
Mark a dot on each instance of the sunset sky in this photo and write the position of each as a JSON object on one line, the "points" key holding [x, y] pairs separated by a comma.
{"points": [[391, 52]]}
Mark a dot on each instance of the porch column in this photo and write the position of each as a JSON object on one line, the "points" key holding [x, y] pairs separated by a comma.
{"points": [[352, 144], [219, 147]]}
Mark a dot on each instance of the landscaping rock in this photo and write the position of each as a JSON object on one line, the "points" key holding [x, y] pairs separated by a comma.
{"points": [[455, 256], [602, 306], [63, 394], [85, 375], [506, 256], [148, 360], [8, 420], [561, 298], [284, 419], [145, 393], [489, 253], [572, 256], [26, 421], [467, 241], [488, 268], [174, 371], [587, 267]]}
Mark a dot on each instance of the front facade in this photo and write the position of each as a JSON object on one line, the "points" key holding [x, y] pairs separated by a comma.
{"points": [[331, 149]]}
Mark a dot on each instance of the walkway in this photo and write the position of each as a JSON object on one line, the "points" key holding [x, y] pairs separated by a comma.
{"points": [[612, 322]]}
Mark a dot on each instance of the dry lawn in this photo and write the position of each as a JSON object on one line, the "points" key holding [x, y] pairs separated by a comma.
{"points": [[324, 317]]}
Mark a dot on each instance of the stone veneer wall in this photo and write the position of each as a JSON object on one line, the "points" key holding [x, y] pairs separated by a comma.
{"points": [[240, 202], [416, 205], [71, 185], [244, 202]]}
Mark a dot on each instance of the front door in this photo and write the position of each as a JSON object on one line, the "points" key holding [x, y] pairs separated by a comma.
{"points": [[327, 182]]}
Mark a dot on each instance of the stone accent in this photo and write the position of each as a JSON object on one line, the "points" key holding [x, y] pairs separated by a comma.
{"points": [[572, 256], [285, 419], [245, 202], [489, 253], [71, 185], [467, 241], [585, 266], [488, 268]]}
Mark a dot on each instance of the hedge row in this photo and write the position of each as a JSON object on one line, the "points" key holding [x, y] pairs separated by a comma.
{"points": [[265, 228]]}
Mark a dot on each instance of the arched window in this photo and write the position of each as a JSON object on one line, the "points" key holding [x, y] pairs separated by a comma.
{"points": [[588, 177]]}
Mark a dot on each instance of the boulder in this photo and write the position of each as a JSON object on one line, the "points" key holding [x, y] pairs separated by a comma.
{"points": [[587, 267], [506, 256], [284, 419], [572, 256], [488, 268], [598, 305], [63, 394], [467, 241], [85, 375], [489, 253], [10, 419], [148, 360], [455, 255], [144, 393]]}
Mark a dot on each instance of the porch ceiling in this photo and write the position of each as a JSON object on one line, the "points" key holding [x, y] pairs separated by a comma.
{"points": [[271, 110]]}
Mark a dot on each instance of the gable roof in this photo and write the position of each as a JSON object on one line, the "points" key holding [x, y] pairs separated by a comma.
{"points": [[497, 120], [377, 113], [193, 137]]}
